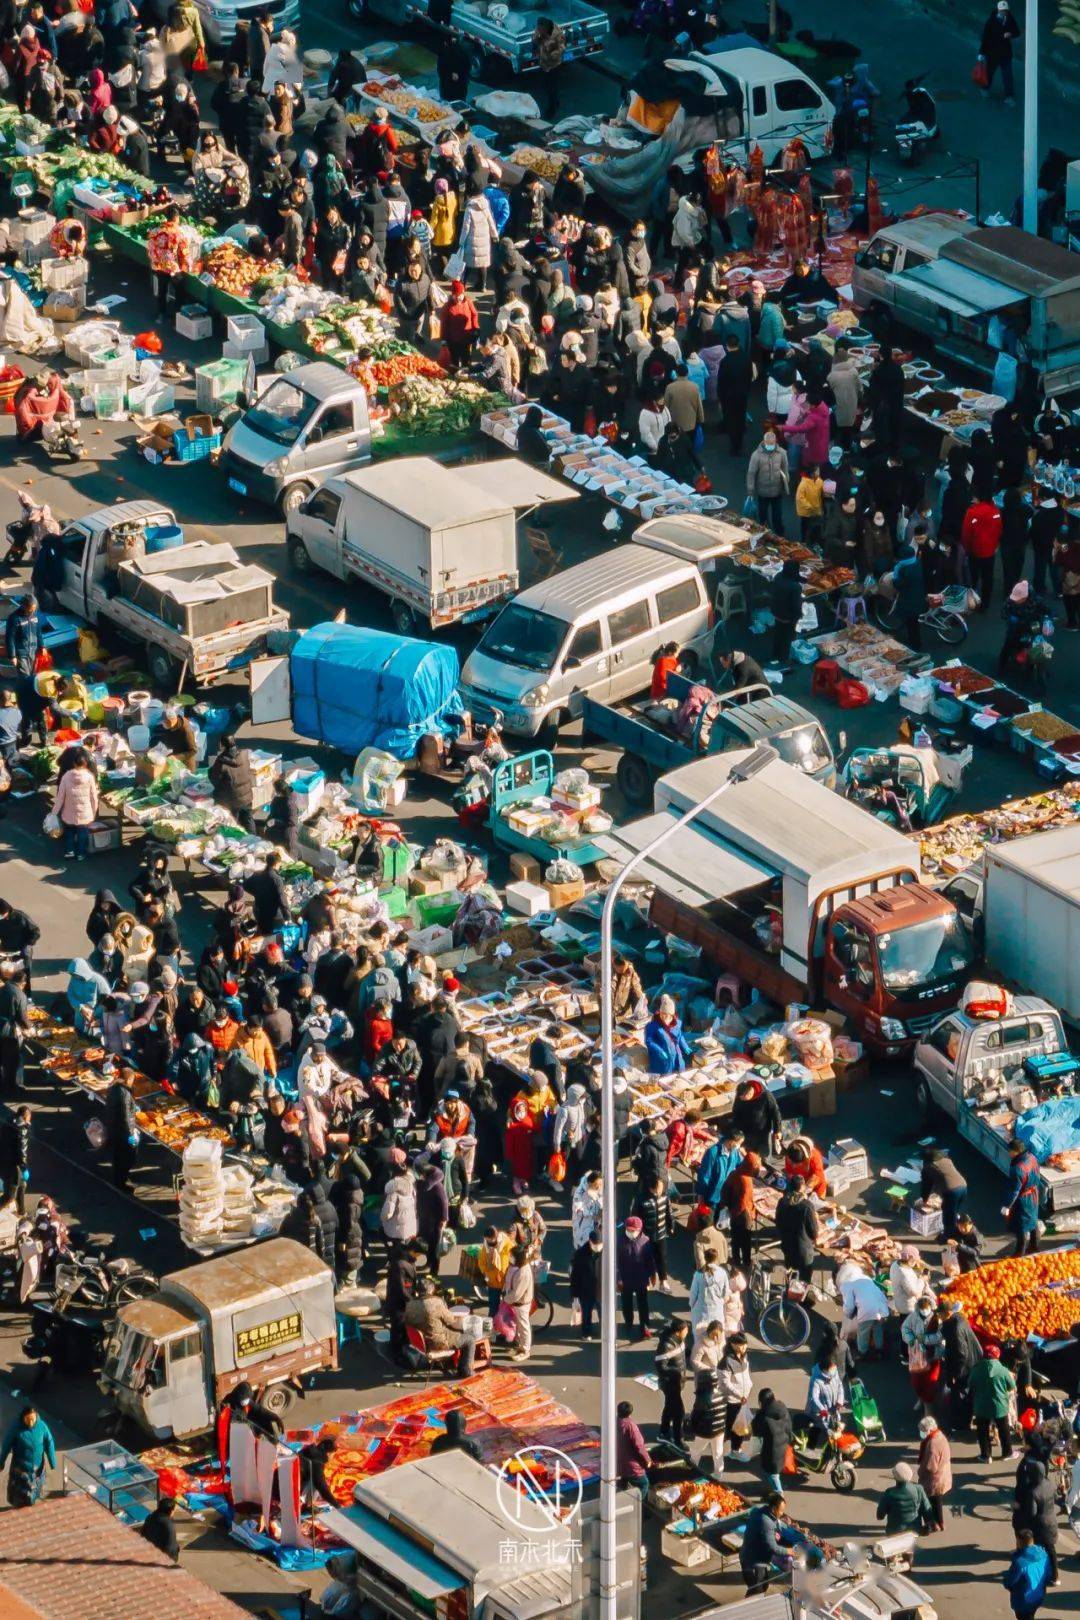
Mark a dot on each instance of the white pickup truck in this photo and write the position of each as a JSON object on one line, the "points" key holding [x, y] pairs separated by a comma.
{"points": [[195, 607]]}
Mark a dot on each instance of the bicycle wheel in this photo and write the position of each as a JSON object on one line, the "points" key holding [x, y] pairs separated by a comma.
{"points": [[141, 1286], [883, 611], [784, 1325], [951, 627], [543, 1312], [758, 1287]]}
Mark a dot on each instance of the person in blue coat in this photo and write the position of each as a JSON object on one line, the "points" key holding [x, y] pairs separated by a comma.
{"points": [[910, 587], [665, 1042], [1021, 1206], [716, 1165], [1027, 1576], [500, 207], [29, 1444]]}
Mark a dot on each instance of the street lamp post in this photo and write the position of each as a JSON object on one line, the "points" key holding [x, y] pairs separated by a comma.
{"points": [[754, 762], [1031, 116]]}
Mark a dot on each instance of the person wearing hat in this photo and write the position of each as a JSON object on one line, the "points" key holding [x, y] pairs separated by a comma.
{"points": [[909, 1281], [636, 1271], [904, 1506], [996, 50], [991, 1385]]}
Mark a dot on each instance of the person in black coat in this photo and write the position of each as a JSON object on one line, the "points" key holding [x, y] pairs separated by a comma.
{"points": [[347, 1197], [654, 1207], [454, 66], [1035, 1509], [961, 1352], [797, 1224], [996, 48], [233, 782], [158, 1529], [885, 400], [671, 1375], [19, 933], [267, 891], [345, 75], [332, 134], [314, 1223], [543, 1056], [121, 1129], [585, 1270], [756, 1115], [375, 216], [771, 1424], [1015, 521], [786, 602], [212, 971], [649, 1161], [733, 378], [229, 102], [15, 1156], [435, 1035]]}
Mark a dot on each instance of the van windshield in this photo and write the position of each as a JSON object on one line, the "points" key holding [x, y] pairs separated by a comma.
{"points": [[807, 748], [281, 413], [524, 637]]}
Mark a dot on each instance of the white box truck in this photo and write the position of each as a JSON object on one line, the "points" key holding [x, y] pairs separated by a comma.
{"points": [[441, 542]]}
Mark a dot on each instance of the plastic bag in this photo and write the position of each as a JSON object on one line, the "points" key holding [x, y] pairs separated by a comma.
{"points": [[199, 63], [979, 74], [504, 1323], [750, 507], [51, 825], [557, 1168], [455, 267], [741, 1422], [466, 1216], [95, 1133]]}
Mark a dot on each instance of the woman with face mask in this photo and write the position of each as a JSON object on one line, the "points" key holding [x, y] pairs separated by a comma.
{"points": [[768, 480]]}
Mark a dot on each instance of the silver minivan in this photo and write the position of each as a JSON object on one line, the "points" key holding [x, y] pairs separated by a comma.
{"points": [[305, 426], [592, 629]]}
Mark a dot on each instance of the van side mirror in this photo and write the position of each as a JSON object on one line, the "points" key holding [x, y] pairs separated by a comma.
{"points": [[315, 435], [571, 661]]}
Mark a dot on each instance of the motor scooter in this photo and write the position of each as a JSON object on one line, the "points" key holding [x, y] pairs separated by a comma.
{"points": [[919, 129]]}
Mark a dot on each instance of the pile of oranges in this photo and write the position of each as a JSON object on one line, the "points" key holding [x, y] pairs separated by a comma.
{"points": [[1009, 1299]]}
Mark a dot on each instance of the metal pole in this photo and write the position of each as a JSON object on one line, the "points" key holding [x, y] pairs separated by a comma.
{"points": [[1031, 115], [978, 191], [754, 762]]}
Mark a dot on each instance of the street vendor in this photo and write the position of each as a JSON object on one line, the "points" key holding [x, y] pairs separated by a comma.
{"points": [[170, 258], [177, 733], [39, 402]]}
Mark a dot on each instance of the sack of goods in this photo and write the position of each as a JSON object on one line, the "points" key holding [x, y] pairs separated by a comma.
{"points": [[983, 1000]]}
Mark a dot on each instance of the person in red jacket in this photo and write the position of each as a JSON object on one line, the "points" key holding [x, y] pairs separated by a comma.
{"points": [[980, 537], [378, 1030], [737, 1196], [460, 324], [804, 1161]]}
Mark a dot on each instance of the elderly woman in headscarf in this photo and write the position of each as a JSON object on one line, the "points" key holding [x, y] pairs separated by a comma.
{"points": [[665, 1043], [98, 92], [28, 55]]}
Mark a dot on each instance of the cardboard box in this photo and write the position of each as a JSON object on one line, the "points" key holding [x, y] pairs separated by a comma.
{"points": [[424, 883], [565, 894], [149, 770], [104, 835], [526, 867], [821, 1097], [528, 898], [194, 323], [850, 1075]]}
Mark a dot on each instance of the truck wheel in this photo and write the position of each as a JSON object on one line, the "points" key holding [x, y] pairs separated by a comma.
{"points": [[299, 561], [635, 779], [357, 9], [404, 617], [278, 1399], [924, 1102], [293, 498], [163, 669]]}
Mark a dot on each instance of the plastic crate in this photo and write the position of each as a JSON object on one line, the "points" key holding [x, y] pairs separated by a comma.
{"points": [[259, 356], [1021, 742], [196, 447], [927, 1222], [1050, 766], [219, 383], [58, 275], [853, 1156]]}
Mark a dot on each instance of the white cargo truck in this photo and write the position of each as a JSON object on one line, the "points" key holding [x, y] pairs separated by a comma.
{"points": [[441, 542]]}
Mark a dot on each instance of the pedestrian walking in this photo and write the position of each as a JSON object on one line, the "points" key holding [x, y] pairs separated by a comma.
{"points": [[904, 1506], [635, 1270], [991, 1386], [935, 1471], [30, 1446], [1027, 1577], [519, 1293], [670, 1363], [996, 50]]}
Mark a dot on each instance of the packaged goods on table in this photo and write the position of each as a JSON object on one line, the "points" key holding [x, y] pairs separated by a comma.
{"points": [[628, 482], [414, 108], [957, 843], [867, 654], [766, 555]]}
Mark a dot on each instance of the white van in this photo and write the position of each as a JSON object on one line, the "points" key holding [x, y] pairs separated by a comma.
{"points": [[775, 101], [592, 629]]}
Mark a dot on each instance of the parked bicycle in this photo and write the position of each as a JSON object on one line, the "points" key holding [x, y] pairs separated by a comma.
{"points": [[783, 1322], [944, 616]]}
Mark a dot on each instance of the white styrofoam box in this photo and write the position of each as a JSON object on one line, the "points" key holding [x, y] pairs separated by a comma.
{"points": [[435, 940], [848, 1152], [837, 1178], [193, 322], [245, 332], [151, 398], [91, 338], [528, 898], [32, 225], [60, 274]]}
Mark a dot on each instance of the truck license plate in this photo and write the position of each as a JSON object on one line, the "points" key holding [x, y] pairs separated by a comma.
{"points": [[234, 483], [477, 613]]}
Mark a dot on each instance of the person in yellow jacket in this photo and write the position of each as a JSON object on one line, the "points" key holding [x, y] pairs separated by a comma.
{"points": [[810, 504], [443, 220], [493, 1262], [256, 1043]]}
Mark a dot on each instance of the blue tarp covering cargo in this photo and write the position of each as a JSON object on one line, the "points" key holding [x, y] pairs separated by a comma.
{"points": [[1052, 1127], [355, 688]]}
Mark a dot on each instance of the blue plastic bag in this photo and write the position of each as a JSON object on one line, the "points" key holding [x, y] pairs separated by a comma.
{"points": [[750, 507]]}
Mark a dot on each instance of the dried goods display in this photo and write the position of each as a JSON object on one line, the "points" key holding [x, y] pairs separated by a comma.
{"points": [[954, 844]]}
